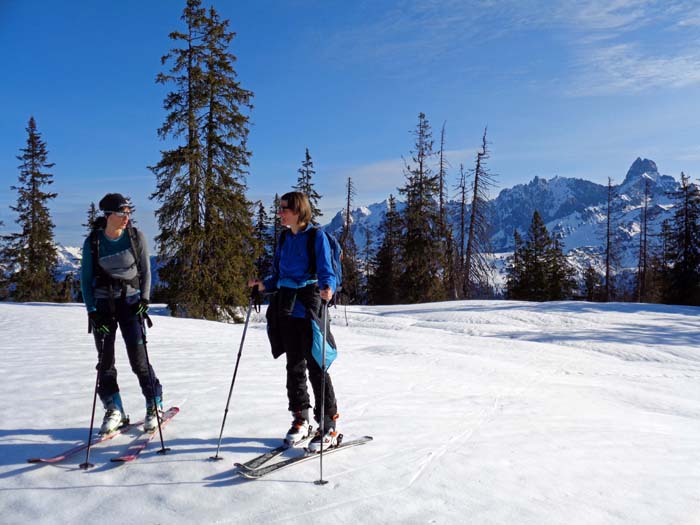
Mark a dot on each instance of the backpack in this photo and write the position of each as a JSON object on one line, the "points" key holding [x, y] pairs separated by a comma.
{"points": [[336, 255]]}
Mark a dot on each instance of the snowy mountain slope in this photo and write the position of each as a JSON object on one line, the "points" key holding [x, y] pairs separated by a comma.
{"points": [[482, 412], [574, 210]]}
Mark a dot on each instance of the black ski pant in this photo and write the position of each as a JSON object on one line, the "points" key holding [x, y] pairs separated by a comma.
{"points": [[130, 327], [297, 339]]}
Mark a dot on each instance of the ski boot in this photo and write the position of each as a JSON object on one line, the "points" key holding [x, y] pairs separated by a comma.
{"points": [[114, 414], [154, 410], [300, 429], [330, 438]]}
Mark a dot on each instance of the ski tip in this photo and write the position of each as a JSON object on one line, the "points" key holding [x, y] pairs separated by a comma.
{"points": [[34, 460]]}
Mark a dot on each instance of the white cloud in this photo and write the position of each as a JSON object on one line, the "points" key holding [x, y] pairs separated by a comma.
{"points": [[614, 45], [625, 68]]}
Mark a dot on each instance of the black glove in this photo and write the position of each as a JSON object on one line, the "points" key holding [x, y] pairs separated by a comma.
{"points": [[140, 308], [99, 322]]}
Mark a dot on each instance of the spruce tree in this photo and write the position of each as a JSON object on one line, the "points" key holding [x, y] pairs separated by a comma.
{"points": [[263, 236], [4, 271], [206, 235], [420, 253], [536, 260], [539, 270], [306, 186], [351, 277], [560, 274], [92, 216], [276, 224], [515, 270], [642, 266], [31, 254], [683, 246], [367, 266], [611, 252], [383, 282], [593, 286]]}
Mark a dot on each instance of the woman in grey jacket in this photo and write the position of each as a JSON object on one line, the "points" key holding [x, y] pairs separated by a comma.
{"points": [[116, 286]]}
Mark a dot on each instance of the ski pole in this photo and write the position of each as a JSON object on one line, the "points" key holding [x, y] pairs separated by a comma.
{"points": [[324, 317], [86, 465], [142, 318], [253, 296]]}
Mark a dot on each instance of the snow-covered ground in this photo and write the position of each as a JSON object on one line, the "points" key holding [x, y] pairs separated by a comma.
{"points": [[481, 412]]}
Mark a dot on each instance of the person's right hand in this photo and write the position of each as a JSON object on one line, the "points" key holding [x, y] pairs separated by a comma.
{"points": [[100, 322]]}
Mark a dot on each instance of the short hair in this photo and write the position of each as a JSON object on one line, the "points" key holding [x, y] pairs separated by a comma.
{"points": [[299, 203]]}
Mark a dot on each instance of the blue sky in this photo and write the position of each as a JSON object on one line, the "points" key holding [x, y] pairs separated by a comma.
{"points": [[576, 88]]}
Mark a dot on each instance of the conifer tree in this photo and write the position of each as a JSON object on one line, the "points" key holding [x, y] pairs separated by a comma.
{"points": [[539, 270], [276, 224], [420, 281], [383, 282], [683, 246], [535, 258], [31, 254], [642, 267], [611, 251], [477, 269], [515, 270], [351, 277], [561, 275], [367, 266], [305, 185], [206, 240], [4, 271], [592, 284], [263, 236], [92, 215]]}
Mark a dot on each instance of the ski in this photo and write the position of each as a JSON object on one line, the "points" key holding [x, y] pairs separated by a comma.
{"points": [[263, 471], [98, 438], [139, 444], [260, 460]]}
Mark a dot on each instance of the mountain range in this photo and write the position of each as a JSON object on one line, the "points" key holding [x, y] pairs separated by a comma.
{"points": [[573, 209]]}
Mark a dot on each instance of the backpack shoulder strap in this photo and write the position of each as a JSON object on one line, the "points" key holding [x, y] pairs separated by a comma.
{"points": [[135, 247], [311, 249], [95, 250]]}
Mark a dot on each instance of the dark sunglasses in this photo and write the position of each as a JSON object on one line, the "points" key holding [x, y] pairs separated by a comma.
{"points": [[121, 213]]}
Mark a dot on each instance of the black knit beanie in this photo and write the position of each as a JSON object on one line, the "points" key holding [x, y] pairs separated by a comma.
{"points": [[114, 202]]}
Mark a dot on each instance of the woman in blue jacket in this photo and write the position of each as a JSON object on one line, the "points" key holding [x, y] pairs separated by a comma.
{"points": [[302, 277]]}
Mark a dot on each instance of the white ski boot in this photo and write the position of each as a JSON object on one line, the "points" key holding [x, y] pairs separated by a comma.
{"points": [[300, 429], [154, 409], [330, 438], [114, 415]]}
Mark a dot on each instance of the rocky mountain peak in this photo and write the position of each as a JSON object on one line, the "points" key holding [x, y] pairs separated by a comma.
{"points": [[640, 167]]}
